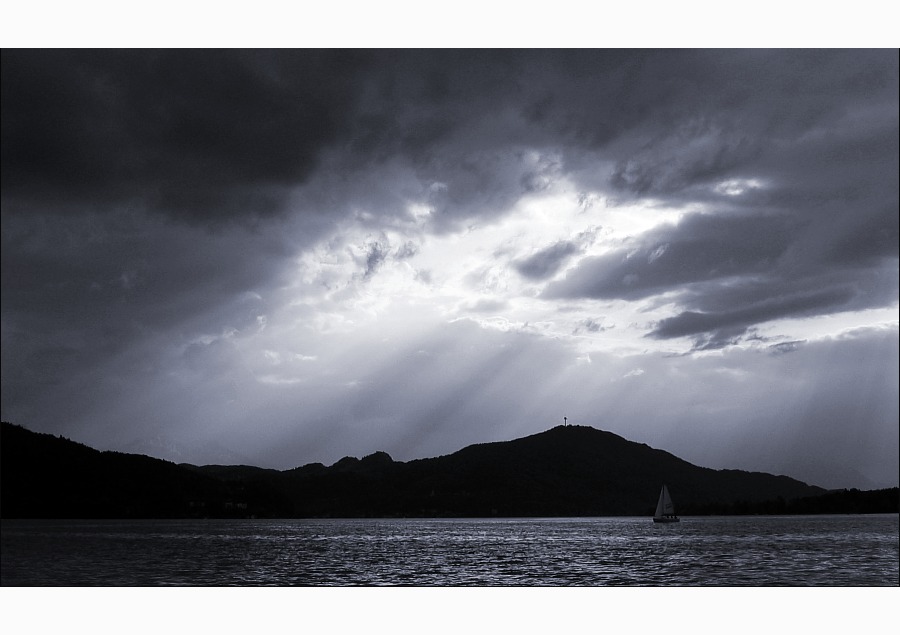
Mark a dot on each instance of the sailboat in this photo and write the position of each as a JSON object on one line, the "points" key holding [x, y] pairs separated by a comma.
{"points": [[665, 511]]}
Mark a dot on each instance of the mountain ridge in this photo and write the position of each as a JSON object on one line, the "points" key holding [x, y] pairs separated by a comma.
{"points": [[563, 471]]}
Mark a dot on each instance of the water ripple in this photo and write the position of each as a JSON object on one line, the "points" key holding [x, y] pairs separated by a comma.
{"points": [[727, 551]]}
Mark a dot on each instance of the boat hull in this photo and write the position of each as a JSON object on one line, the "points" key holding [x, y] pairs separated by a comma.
{"points": [[666, 520]]}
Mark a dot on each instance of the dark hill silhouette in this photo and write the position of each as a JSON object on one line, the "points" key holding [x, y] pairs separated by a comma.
{"points": [[43, 476], [565, 471], [51, 477]]}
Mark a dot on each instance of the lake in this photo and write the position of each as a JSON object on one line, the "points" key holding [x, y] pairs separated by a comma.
{"points": [[699, 551]]}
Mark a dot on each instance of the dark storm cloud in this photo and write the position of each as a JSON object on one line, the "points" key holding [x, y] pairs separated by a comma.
{"points": [[78, 292], [796, 157], [730, 273], [713, 114], [545, 263], [481, 129], [724, 326], [196, 134], [701, 248], [213, 134], [207, 136]]}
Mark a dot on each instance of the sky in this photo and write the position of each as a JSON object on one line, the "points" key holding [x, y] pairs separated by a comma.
{"points": [[279, 257]]}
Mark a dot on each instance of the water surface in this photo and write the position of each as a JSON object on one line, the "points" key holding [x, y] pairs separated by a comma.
{"points": [[721, 551]]}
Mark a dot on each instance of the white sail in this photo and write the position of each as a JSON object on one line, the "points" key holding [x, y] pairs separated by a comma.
{"points": [[664, 507], [661, 505]]}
